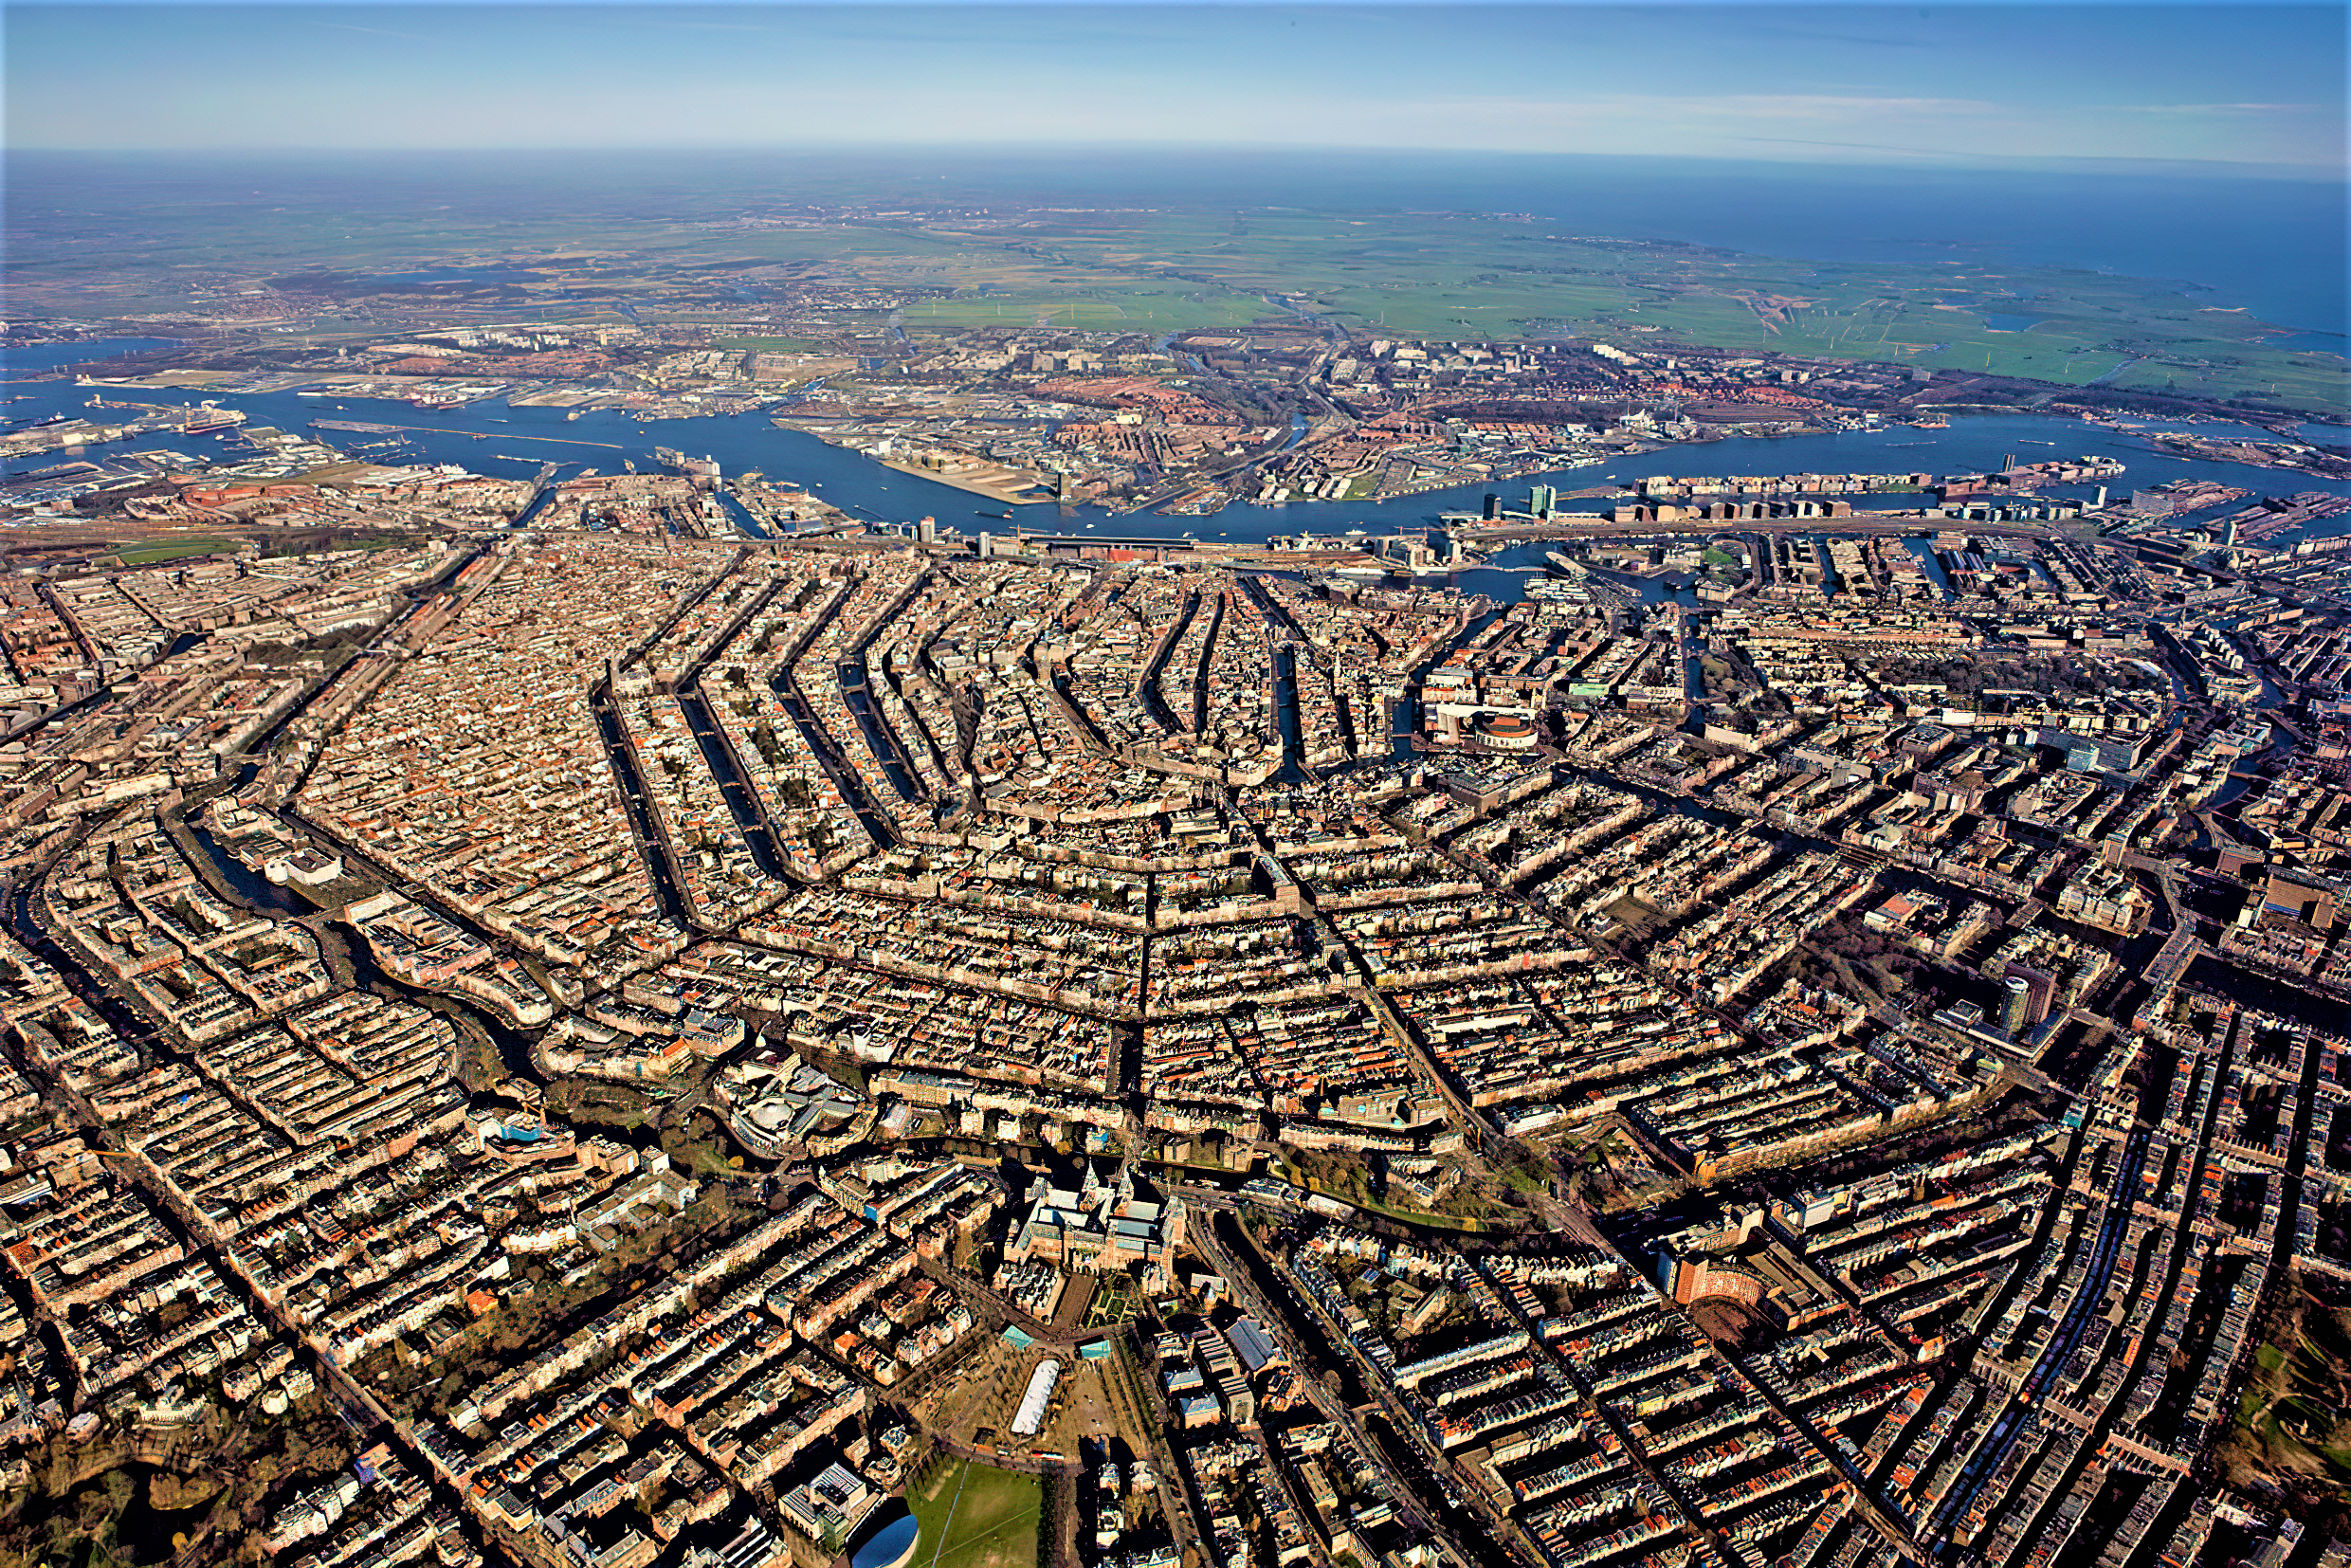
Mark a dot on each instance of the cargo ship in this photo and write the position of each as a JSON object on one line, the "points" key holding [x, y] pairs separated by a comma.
{"points": [[207, 417]]}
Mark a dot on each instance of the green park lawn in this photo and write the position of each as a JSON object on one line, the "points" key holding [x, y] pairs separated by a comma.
{"points": [[974, 1516]]}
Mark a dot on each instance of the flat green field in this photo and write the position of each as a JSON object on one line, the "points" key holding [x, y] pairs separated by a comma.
{"points": [[771, 345], [1452, 275], [166, 550], [974, 1516], [1115, 308], [100, 249]]}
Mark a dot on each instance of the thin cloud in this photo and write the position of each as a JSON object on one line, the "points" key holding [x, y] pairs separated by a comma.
{"points": [[1745, 106], [1830, 106], [379, 32], [1878, 42], [2216, 108], [1858, 146]]}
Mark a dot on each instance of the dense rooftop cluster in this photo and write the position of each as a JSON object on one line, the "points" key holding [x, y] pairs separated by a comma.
{"points": [[675, 1040]]}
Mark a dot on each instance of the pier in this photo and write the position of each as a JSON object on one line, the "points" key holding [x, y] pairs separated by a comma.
{"points": [[371, 429]]}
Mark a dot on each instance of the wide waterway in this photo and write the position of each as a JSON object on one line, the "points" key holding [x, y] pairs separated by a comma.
{"points": [[493, 438]]}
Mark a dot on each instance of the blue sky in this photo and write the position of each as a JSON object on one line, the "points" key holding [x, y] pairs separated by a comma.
{"points": [[2228, 84]]}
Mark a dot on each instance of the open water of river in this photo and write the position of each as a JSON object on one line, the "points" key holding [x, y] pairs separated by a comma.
{"points": [[493, 438]]}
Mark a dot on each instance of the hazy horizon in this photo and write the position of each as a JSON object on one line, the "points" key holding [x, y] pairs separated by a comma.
{"points": [[1827, 160], [2273, 244]]}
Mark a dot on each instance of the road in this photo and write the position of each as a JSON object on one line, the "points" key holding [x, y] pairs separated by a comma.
{"points": [[1469, 1536], [2088, 1286]]}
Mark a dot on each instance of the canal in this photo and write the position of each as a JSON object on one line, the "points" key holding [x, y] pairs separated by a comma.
{"points": [[258, 892], [742, 804], [652, 845], [880, 738], [1153, 704], [1285, 717], [852, 788]]}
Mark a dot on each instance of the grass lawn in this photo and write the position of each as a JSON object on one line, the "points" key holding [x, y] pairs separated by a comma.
{"points": [[164, 550], [771, 345], [974, 1516], [1112, 308]]}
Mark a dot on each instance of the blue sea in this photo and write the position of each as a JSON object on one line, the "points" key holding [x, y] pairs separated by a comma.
{"points": [[25, 357]]}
